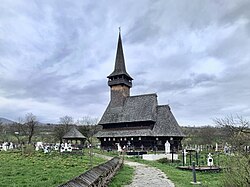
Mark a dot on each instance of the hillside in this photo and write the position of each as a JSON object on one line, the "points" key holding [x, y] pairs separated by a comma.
{"points": [[6, 121]]}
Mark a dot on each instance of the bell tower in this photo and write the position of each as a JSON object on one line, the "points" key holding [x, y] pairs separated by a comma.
{"points": [[119, 81]]}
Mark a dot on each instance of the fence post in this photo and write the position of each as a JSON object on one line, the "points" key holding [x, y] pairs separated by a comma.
{"points": [[194, 174]]}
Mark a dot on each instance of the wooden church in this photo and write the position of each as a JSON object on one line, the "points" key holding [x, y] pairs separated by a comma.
{"points": [[137, 122]]}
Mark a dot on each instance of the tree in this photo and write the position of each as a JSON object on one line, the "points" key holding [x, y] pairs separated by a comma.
{"points": [[17, 130], [237, 131], [66, 121], [2, 132], [30, 122], [63, 127], [88, 127]]}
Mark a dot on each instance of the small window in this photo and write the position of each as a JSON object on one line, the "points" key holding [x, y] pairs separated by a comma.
{"points": [[109, 139], [125, 139], [104, 139], [139, 138], [132, 138]]}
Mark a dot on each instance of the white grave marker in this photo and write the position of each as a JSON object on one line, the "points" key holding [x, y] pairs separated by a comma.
{"points": [[210, 160], [167, 147]]}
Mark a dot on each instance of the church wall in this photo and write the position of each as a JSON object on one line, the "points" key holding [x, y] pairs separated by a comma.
{"points": [[119, 94], [147, 143]]}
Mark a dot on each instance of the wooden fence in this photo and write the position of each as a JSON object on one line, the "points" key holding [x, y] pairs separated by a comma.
{"points": [[98, 176]]}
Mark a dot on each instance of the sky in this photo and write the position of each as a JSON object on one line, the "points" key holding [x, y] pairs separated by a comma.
{"points": [[55, 56]]}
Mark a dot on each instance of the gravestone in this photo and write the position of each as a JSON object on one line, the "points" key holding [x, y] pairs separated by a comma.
{"points": [[226, 149], [56, 147], [216, 147], [185, 156], [46, 149], [11, 146], [66, 148], [167, 147], [119, 148], [39, 145], [210, 160], [5, 146]]}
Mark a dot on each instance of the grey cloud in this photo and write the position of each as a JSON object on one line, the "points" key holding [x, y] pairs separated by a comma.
{"points": [[58, 52], [184, 84]]}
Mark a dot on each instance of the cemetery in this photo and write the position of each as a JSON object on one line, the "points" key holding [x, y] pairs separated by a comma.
{"points": [[132, 128]]}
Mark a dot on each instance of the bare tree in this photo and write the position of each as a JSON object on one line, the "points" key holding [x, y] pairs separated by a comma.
{"points": [[63, 127], [66, 121], [17, 130], [88, 127], [2, 131], [236, 130], [30, 123]]}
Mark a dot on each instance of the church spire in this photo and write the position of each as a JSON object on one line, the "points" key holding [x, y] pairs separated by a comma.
{"points": [[120, 68], [119, 81]]}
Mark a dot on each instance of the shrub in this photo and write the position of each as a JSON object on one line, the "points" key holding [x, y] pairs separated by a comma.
{"points": [[237, 171]]}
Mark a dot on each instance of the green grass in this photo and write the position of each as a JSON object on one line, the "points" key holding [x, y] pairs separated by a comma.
{"points": [[123, 177], [183, 178], [41, 169]]}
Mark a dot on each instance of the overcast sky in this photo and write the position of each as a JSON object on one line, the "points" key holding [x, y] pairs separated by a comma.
{"points": [[55, 56]]}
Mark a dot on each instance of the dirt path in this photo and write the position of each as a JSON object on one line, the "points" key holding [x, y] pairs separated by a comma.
{"points": [[146, 176]]}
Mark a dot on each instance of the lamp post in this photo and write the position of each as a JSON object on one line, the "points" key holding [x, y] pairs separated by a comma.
{"points": [[171, 141]]}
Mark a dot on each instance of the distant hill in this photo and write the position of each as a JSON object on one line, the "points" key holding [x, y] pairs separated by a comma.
{"points": [[6, 121]]}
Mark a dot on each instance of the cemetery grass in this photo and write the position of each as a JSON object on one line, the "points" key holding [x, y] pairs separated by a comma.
{"points": [[123, 177], [182, 178], [41, 169]]}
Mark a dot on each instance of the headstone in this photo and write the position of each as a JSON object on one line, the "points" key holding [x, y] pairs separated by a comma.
{"points": [[46, 149], [119, 148], [210, 161], [56, 147], [216, 147], [167, 147], [185, 156], [11, 146], [39, 145], [66, 148], [226, 149], [5, 146]]}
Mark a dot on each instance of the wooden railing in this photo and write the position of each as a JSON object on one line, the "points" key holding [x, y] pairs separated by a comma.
{"points": [[98, 176]]}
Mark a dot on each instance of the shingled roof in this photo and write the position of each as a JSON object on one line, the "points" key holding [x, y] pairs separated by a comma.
{"points": [[74, 134], [141, 108], [135, 109], [124, 133], [120, 68], [166, 124]]}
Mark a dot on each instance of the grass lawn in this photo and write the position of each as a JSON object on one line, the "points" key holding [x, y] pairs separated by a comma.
{"points": [[41, 169], [123, 177]]}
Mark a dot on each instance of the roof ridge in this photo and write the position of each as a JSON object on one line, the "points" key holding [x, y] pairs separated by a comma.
{"points": [[163, 105], [143, 95]]}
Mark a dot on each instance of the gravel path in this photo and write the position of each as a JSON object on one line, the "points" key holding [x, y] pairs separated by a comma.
{"points": [[146, 176]]}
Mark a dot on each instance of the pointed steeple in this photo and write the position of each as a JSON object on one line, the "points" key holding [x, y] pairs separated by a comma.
{"points": [[120, 68], [119, 81]]}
